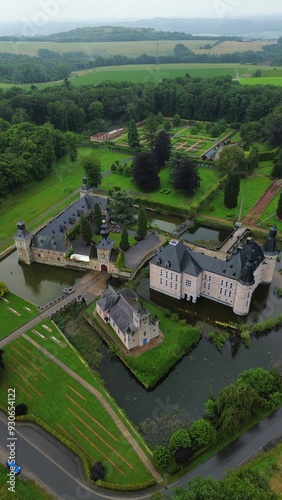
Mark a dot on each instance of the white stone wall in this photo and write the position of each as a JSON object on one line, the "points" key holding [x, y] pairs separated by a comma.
{"points": [[243, 299], [166, 281], [268, 268]]}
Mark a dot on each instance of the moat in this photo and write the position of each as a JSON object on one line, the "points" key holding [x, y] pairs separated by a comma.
{"points": [[203, 371]]}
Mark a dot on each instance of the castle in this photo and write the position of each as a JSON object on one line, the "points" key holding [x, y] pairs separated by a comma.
{"points": [[182, 273]]}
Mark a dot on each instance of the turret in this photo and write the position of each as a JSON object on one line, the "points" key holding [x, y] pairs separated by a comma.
{"points": [[270, 255], [84, 188], [23, 243], [244, 288]]}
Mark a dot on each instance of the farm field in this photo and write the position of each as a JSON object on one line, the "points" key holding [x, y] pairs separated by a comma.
{"points": [[264, 80], [15, 312], [131, 48], [60, 189], [80, 418]]}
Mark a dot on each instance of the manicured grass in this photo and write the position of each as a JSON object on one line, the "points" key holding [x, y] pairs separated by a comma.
{"points": [[264, 80], [25, 489], [70, 410], [256, 186], [153, 365], [174, 198], [15, 312], [59, 189], [268, 216]]}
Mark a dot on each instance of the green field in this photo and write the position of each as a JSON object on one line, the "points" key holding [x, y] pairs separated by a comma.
{"points": [[130, 48], [15, 312], [263, 80], [75, 413], [25, 489], [60, 189]]}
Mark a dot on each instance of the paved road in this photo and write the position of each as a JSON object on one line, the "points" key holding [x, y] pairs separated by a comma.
{"points": [[57, 467]]}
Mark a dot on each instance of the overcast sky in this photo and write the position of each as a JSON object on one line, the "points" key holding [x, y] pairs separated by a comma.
{"points": [[34, 10]]}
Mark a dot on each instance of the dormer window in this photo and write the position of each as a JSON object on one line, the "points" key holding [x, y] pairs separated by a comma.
{"points": [[159, 261], [167, 264]]}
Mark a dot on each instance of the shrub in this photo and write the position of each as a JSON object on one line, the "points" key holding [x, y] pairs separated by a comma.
{"points": [[179, 439], [161, 456]]}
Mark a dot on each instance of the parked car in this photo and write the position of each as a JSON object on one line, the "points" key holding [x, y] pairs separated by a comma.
{"points": [[17, 468]]}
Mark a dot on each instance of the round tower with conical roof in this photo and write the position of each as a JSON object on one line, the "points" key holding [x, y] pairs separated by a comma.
{"points": [[244, 290], [270, 256], [23, 243]]}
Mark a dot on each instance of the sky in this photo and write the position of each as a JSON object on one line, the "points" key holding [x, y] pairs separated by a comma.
{"points": [[39, 11]]}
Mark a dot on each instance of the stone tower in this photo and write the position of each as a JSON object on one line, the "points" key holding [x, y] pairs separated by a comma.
{"points": [[244, 288], [23, 243], [270, 255], [104, 248]]}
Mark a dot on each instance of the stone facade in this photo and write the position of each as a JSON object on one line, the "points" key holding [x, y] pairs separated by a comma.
{"points": [[128, 318], [182, 273]]}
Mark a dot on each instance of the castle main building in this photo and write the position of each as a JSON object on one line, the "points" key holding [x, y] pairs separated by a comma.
{"points": [[182, 273]]}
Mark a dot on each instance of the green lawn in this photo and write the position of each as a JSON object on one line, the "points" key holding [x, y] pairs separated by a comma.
{"points": [[255, 188], [264, 80], [268, 216], [59, 189], [70, 410], [174, 198], [15, 312]]}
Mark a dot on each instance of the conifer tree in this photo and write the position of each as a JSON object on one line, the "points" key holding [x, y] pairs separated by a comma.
{"points": [[231, 191], [85, 229], [133, 136], [124, 243], [98, 217], [142, 223], [121, 260], [279, 207]]}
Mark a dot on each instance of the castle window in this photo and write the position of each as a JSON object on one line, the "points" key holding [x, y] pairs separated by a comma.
{"points": [[209, 278], [209, 286], [230, 293], [166, 274], [205, 277], [220, 291], [175, 286], [248, 295], [225, 292], [247, 303], [171, 284], [231, 284], [165, 282], [221, 282], [161, 272], [161, 281], [176, 277], [205, 285], [171, 276], [188, 283], [144, 334], [226, 284]]}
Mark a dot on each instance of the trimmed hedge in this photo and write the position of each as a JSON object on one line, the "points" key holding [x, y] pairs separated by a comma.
{"points": [[125, 487]]}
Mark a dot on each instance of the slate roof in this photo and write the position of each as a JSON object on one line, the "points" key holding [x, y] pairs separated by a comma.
{"points": [[22, 233], [52, 236], [120, 306], [179, 258]]}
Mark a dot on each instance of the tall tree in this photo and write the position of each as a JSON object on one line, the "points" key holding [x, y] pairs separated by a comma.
{"points": [[231, 191], [121, 208], [253, 159], [85, 229], [184, 173], [133, 136], [98, 216], [124, 243], [145, 171], [2, 365], [142, 228], [279, 207], [150, 128], [92, 169], [162, 148], [231, 159]]}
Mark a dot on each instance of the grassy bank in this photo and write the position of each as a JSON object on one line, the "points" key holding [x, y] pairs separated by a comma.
{"points": [[15, 312], [25, 488], [152, 366]]}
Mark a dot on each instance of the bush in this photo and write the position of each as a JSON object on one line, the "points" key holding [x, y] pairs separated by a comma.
{"points": [[161, 456], [21, 409], [179, 439], [182, 455]]}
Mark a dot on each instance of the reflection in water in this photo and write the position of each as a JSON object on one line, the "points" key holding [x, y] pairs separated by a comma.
{"points": [[38, 283]]}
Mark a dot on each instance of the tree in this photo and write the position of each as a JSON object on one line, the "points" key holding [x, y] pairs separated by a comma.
{"points": [[150, 128], [145, 171], [124, 243], [2, 365], [179, 439], [177, 120], [279, 207], [161, 456], [276, 172], [133, 136], [264, 382], [162, 148], [253, 159], [231, 159], [3, 288], [121, 208], [231, 190], [184, 173], [202, 433], [167, 125], [92, 169], [71, 141], [121, 260], [142, 223], [160, 118], [85, 229], [20, 409], [98, 216]]}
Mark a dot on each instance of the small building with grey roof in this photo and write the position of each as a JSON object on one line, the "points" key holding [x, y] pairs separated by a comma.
{"points": [[129, 319]]}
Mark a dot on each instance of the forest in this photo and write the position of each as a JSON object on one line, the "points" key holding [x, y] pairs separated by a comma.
{"points": [[38, 126]]}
